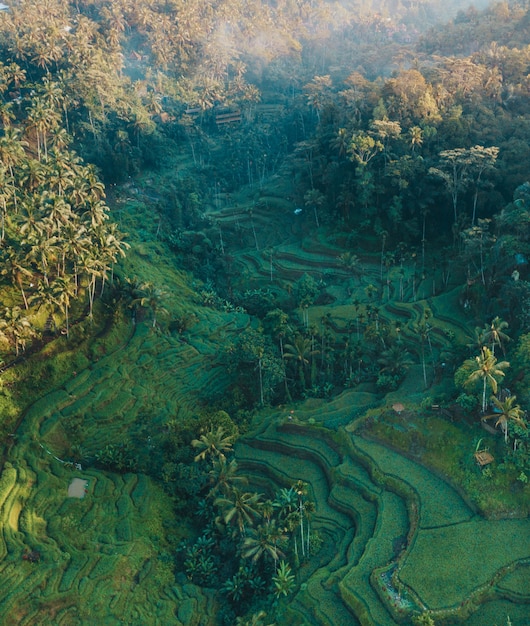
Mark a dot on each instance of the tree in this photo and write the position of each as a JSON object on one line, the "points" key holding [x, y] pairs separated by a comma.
{"points": [[340, 142], [213, 443], [314, 198], [263, 542], [481, 160], [239, 507], [12, 153], [284, 580], [395, 360], [478, 237], [253, 351], [14, 265], [415, 138], [318, 93], [224, 475], [489, 371], [300, 488], [494, 333], [42, 118], [363, 148], [63, 292], [151, 297], [507, 411], [386, 130], [300, 351], [255, 620], [15, 328], [453, 172]]}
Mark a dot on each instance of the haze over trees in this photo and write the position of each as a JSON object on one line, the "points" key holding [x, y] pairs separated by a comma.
{"points": [[400, 149]]}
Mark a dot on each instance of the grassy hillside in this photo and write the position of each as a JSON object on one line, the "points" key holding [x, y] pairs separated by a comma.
{"points": [[384, 520]]}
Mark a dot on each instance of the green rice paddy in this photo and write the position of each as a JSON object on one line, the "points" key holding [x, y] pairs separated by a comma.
{"points": [[397, 538]]}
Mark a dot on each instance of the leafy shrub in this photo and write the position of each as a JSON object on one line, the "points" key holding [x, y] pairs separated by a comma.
{"points": [[467, 402]]}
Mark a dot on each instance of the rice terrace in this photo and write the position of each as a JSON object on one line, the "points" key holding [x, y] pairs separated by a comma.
{"points": [[264, 313]]}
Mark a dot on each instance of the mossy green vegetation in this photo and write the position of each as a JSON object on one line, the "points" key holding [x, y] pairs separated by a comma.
{"points": [[285, 348]]}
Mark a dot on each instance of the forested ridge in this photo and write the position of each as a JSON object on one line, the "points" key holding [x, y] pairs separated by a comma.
{"points": [[243, 247]]}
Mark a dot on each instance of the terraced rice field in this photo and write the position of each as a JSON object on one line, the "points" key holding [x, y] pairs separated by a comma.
{"points": [[106, 557], [376, 509], [396, 538]]}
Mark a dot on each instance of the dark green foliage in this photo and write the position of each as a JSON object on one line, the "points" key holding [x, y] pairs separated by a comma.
{"points": [[119, 457], [311, 211]]}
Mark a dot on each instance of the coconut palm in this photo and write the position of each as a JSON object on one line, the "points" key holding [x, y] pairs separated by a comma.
{"points": [[213, 443], [44, 252], [239, 507], [15, 328], [507, 412], [74, 243], [224, 476], [63, 290], [494, 333], [395, 360], [262, 542], [42, 118], [301, 351], [89, 267], [489, 370], [255, 620], [415, 137], [478, 338], [12, 149], [150, 296], [32, 174], [14, 265]]}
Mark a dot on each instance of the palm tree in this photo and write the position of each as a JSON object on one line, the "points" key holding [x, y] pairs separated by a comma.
{"points": [[12, 152], [283, 581], [507, 411], [395, 360], [315, 199], [89, 266], [150, 296], [489, 370], [63, 291], [30, 219], [478, 338], [14, 265], [33, 174], [301, 350], [110, 247], [74, 244], [494, 333], [44, 250], [300, 488], [423, 329], [239, 507], [415, 137], [286, 502], [42, 118], [279, 322], [255, 620], [263, 542], [15, 328], [340, 142], [213, 443], [224, 476]]}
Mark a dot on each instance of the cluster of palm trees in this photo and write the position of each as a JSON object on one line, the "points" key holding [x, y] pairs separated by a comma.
{"points": [[263, 534], [489, 372], [56, 240]]}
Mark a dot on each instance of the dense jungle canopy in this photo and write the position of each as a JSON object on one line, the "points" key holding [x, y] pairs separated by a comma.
{"points": [[264, 312]]}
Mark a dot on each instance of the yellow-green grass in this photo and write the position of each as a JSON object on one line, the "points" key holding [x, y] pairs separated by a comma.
{"points": [[447, 564]]}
